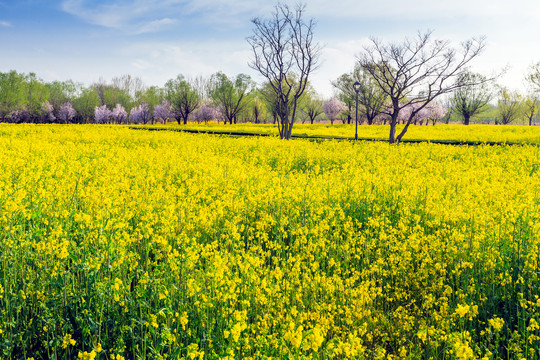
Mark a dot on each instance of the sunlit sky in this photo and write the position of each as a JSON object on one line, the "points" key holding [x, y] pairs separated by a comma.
{"points": [[85, 40]]}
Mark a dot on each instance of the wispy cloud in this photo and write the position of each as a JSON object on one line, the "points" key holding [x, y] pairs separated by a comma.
{"points": [[156, 25], [5, 23], [138, 16], [132, 17]]}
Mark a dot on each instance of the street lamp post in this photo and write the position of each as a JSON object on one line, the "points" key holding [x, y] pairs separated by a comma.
{"points": [[356, 87]]}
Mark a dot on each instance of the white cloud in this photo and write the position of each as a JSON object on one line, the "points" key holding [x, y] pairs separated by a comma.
{"points": [[5, 23], [132, 16], [158, 61], [107, 16], [136, 17], [155, 26]]}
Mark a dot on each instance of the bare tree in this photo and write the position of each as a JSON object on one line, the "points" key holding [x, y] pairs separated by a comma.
{"points": [[202, 85], [284, 49], [416, 72], [131, 85]]}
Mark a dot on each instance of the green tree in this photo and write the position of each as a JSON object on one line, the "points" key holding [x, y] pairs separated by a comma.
{"points": [[36, 94], [183, 97], [85, 103], [370, 97], [509, 106], [346, 93], [12, 98], [269, 97], [111, 95], [151, 96], [530, 108], [258, 109], [61, 92], [230, 94], [312, 107], [472, 98]]}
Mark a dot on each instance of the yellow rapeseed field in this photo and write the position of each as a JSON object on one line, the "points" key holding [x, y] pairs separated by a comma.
{"points": [[441, 132], [123, 244]]}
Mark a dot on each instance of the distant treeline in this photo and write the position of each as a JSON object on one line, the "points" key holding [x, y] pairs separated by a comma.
{"points": [[25, 98]]}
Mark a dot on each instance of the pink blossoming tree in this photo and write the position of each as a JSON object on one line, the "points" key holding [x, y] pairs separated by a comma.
{"points": [[119, 114], [332, 108], [102, 115]]}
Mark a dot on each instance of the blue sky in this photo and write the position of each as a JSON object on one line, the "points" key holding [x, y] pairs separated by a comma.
{"points": [[85, 40]]}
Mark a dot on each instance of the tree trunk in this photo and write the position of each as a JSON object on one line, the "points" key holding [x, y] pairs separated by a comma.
{"points": [[289, 130], [392, 137], [393, 125], [400, 136], [466, 119]]}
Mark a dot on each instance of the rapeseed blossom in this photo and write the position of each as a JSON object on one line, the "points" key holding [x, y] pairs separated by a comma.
{"points": [[461, 310], [170, 245]]}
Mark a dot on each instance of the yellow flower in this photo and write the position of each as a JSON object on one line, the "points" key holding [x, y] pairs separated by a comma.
{"points": [[294, 336], [533, 325], [496, 323], [462, 310], [87, 356], [193, 352], [67, 340], [184, 320], [117, 284], [403, 352]]}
